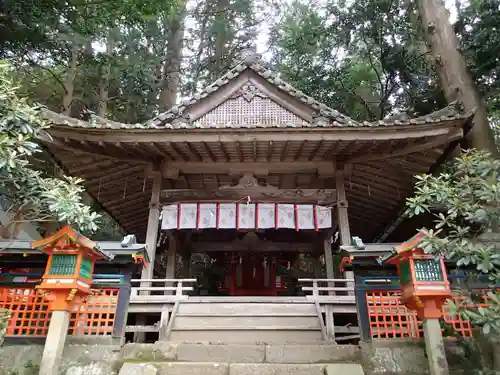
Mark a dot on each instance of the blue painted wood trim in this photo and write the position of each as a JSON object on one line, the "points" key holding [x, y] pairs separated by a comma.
{"points": [[121, 311], [362, 311]]}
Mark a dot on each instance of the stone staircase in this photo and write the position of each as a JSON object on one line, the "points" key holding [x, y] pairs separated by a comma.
{"points": [[166, 358], [238, 321]]}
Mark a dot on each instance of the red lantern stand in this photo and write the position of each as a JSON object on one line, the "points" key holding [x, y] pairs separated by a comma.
{"points": [[67, 278], [425, 289]]}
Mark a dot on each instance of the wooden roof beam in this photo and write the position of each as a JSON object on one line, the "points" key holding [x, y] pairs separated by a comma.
{"points": [[137, 225], [179, 154], [332, 150], [384, 185], [371, 203], [410, 167], [149, 152], [117, 149], [109, 177], [123, 190], [75, 171], [316, 151], [363, 214], [270, 149], [300, 150], [224, 152], [193, 151], [76, 158], [415, 146], [373, 192], [160, 150], [128, 198], [209, 152], [381, 173], [296, 167], [132, 211], [67, 146]]}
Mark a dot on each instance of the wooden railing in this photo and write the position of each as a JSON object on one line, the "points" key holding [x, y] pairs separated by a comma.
{"points": [[168, 295], [332, 296], [171, 290], [329, 287]]}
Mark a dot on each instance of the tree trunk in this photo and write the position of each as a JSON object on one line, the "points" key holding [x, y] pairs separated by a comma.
{"points": [[221, 37], [201, 48], [455, 78], [69, 82], [105, 71], [172, 66]]}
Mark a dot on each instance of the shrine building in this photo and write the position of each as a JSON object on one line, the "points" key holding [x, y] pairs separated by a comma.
{"points": [[252, 200]]}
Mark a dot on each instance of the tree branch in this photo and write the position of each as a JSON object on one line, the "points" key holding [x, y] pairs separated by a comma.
{"points": [[33, 63]]}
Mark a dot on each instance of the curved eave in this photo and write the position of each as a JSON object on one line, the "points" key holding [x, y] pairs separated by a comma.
{"points": [[382, 162], [265, 134]]}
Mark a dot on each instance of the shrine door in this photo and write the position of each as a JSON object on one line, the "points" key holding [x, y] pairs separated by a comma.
{"points": [[253, 277]]}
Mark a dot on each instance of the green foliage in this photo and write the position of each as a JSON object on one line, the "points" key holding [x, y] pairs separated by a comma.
{"points": [[464, 200], [364, 58], [221, 30], [31, 195], [480, 36], [5, 316]]}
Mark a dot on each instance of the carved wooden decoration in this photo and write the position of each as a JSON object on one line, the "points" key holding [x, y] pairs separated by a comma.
{"points": [[249, 107], [248, 186], [248, 91]]}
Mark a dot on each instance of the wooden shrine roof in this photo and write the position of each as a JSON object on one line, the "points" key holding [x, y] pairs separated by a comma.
{"points": [[249, 121], [112, 248]]}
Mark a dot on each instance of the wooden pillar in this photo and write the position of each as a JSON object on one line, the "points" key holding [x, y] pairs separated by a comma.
{"points": [[153, 225], [342, 216], [171, 253], [327, 246], [330, 274], [343, 219], [151, 238]]}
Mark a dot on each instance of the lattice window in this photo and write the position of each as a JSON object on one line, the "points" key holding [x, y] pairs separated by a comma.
{"points": [[63, 264], [30, 316], [427, 270], [258, 112], [86, 268], [96, 315], [389, 318]]}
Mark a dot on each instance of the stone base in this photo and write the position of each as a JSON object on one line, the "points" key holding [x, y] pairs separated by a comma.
{"points": [[212, 368], [241, 353], [165, 358]]}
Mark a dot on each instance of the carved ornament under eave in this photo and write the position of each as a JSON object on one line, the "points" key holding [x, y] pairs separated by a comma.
{"points": [[249, 187], [248, 91]]}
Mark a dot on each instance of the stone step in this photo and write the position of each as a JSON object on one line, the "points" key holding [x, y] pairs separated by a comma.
{"points": [[241, 353], [269, 335], [211, 368], [246, 309], [200, 323]]}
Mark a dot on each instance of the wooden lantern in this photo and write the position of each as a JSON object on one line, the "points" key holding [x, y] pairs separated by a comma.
{"points": [[424, 282], [70, 266]]}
